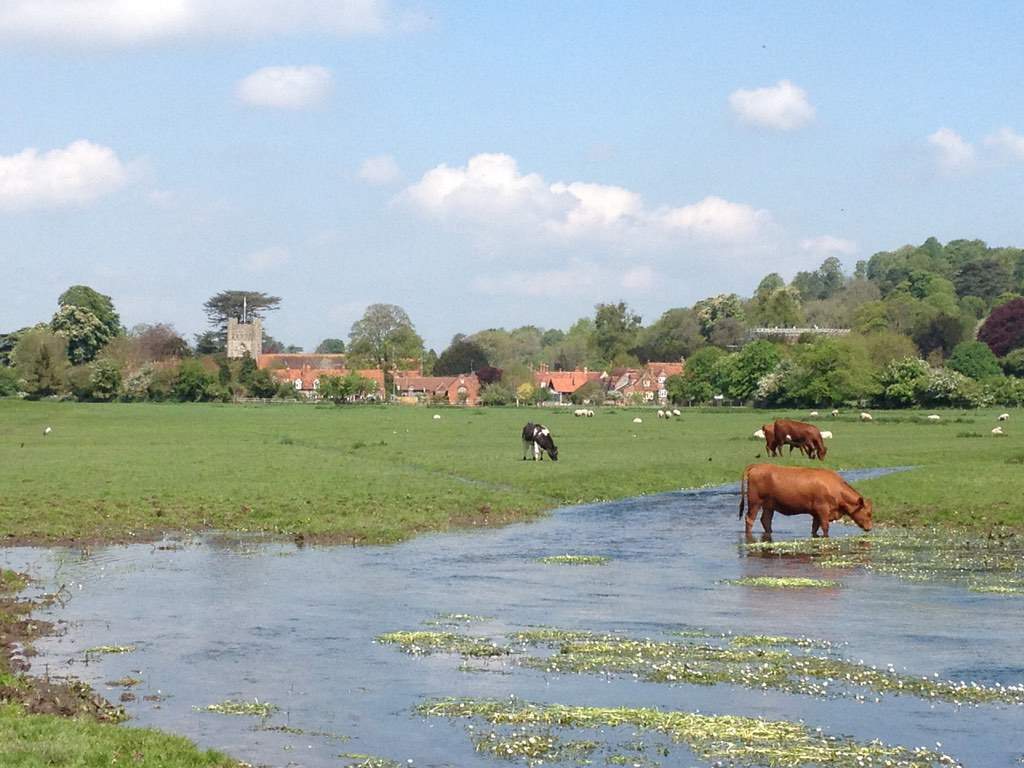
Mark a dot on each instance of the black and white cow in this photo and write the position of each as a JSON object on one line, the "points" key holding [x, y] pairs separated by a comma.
{"points": [[538, 438]]}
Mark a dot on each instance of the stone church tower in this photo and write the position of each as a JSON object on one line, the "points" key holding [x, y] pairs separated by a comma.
{"points": [[245, 337]]}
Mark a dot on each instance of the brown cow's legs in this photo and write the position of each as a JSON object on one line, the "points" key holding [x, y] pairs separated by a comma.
{"points": [[766, 519]]}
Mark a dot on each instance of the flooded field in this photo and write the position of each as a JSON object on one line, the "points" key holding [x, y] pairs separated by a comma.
{"points": [[642, 632]]}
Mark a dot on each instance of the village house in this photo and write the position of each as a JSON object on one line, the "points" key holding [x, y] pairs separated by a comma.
{"points": [[561, 385], [463, 389], [645, 384], [305, 371]]}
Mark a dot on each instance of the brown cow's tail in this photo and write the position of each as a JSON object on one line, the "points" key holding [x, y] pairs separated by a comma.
{"points": [[744, 482]]}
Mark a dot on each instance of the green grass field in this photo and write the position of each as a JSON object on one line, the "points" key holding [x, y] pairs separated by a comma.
{"points": [[380, 474]]}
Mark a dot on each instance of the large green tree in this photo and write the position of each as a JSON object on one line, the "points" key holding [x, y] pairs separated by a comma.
{"points": [[85, 333], [974, 359], [463, 356], [95, 302], [676, 334], [385, 337], [41, 358], [615, 331], [330, 347]]}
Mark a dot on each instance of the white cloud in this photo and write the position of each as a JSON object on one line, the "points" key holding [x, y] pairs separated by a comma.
{"points": [[580, 278], [134, 22], [266, 259], [952, 150], [491, 192], [379, 170], [827, 245], [1009, 141], [783, 106], [79, 173], [285, 87]]}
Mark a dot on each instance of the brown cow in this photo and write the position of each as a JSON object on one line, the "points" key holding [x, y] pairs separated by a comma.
{"points": [[800, 434], [771, 443], [821, 493]]}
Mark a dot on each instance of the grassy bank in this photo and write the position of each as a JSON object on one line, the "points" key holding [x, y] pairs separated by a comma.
{"points": [[380, 474], [47, 722]]}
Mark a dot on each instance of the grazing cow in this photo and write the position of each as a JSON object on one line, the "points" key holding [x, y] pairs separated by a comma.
{"points": [[800, 434], [821, 493], [772, 444], [538, 438]]}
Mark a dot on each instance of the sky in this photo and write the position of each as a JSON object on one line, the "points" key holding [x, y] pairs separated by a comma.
{"points": [[488, 164]]}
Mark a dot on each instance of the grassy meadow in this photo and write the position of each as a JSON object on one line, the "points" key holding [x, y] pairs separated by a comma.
{"points": [[381, 474]]}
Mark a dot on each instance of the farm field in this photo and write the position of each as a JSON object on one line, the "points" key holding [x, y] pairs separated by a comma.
{"points": [[382, 474]]}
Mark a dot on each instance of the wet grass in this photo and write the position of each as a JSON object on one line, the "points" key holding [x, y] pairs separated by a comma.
{"points": [[123, 471], [783, 582], [241, 708], [992, 564], [806, 666], [574, 560], [723, 739]]}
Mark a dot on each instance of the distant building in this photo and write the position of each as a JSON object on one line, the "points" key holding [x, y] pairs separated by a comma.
{"points": [[463, 389], [304, 372], [792, 335], [245, 338], [646, 384], [561, 385]]}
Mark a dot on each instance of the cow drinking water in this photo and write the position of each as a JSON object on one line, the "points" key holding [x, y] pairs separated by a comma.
{"points": [[537, 437]]}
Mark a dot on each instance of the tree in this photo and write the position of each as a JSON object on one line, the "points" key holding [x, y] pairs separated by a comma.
{"points": [[986, 278], [497, 393], [728, 332], [740, 378], [675, 335], [262, 384], [225, 305], [695, 383], [104, 380], [158, 341], [782, 308], [463, 356], [1013, 363], [902, 380], [1003, 331], [343, 389], [193, 383], [86, 335], [101, 306], [714, 309], [210, 343], [42, 360], [827, 372], [615, 330], [8, 341], [942, 332], [385, 336], [8, 381], [330, 347], [591, 393], [974, 359]]}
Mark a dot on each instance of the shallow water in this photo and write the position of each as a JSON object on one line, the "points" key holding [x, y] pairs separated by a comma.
{"points": [[223, 618]]}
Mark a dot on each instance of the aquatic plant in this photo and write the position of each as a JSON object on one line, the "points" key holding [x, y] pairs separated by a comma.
{"points": [[573, 560], [368, 761], [254, 708], [728, 739], [783, 582], [423, 642], [111, 649], [455, 619]]}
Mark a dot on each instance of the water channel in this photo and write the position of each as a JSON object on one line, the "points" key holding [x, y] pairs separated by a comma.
{"points": [[215, 618]]}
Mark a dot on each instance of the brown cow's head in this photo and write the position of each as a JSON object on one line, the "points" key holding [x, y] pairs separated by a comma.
{"points": [[823, 451], [861, 514]]}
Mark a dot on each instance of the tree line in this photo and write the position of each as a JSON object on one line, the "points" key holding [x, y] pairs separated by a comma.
{"points": [[931, 324]]}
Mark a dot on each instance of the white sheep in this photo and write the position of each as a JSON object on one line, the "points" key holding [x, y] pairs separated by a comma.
{"points": [[579, 412], [998, 431], [813, 413], [1004, 417], [437, 416], [866, 417], [46, 431], [661, 414], [638, 420], [934, 417], [589, 413], [759, 434], [676, 412], [835, 411], [668, 414], [826, 435]]}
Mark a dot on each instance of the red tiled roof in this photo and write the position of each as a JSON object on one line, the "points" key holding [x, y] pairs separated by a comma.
{"points": [[309, 375], [565, 382], [321, 362]]}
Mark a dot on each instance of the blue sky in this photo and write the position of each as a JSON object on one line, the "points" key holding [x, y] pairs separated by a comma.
{"points": [[489, 164]]}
